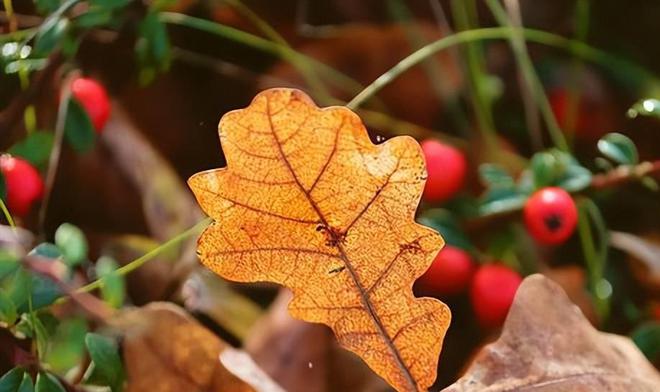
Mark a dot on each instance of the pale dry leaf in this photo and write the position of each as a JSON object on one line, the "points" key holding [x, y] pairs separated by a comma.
{"points": [[307, 201], [548, 345], [166, 350]]}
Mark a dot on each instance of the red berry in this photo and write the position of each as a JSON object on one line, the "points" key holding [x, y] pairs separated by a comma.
{"points": [[446, 168], [450, 272], [24, 185], [93, 97], [492, 292], [550, 215], [590, 122]]}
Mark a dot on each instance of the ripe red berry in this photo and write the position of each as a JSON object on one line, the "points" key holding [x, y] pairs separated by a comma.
{"points": [[93, 97], [23, 183], [550, 215], [446, 168], [493, 288], [450, 272]]}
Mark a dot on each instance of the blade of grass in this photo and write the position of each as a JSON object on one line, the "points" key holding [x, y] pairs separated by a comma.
{"points": [[140, 261], [526, 67], [432, 67], [604, 59], [7, 214], [308, 73], [464, 13], [582, 8], [595, 255], [286, 53]]}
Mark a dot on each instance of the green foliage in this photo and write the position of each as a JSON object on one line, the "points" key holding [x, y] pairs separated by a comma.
{"points": [[50, 35], [645, 107], [106, 367], [72, 242], [35, 148], [11, 380], [47, 383], [113, 286], [647, 338], [26, 384], [152, 48], [27, 289], [619, 148], [446, 224], [78, 127], [8, 312]]}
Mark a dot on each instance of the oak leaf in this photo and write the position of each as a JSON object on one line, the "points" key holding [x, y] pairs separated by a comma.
{"points": [[307, 201], [167, 350], [548, 345]]}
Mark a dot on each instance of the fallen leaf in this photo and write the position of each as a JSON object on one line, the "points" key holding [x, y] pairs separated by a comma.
{"points": [[304, 357], [166, 350], [307, 201], [548, 345]]}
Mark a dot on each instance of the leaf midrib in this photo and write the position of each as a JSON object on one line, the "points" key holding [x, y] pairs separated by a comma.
{"points": [[364, 295]]}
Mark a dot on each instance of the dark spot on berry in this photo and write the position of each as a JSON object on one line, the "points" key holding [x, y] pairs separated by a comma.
{"points": [[553, 222]]}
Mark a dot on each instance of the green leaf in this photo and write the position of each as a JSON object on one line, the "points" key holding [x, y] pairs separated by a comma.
{"points": [[8, 263], [72, 242], [647, 338], [43, 290], [8, 313], [46, 250], [152, 47], [106, 368], [35, 148], [113, 286], [502, 200], [48, 383], [619, 148], [645, 107], [47, 6], [109, 4], [444, 222], [78, 127], [93, 18], [494, 176], [26, 384], [67, 344], [50, 35], [544, 168], [41, 335], [11, 380]]}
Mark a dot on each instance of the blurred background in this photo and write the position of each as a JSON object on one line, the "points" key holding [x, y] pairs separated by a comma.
{"points": [[526, 95]]}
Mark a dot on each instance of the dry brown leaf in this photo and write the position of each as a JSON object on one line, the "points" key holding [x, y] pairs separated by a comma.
{"points": [[166, 350], [548, 345], [309, 202]]}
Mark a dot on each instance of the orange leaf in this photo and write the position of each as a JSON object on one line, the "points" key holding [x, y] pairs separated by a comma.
{"points": [[307, 201]]}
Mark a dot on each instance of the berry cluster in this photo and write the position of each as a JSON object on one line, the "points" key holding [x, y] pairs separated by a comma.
{"points": [[550, 216], [24, 185]]}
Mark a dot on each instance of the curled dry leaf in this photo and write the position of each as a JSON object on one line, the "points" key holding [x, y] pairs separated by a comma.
{"points": [[166, 350], [307, 201], [548, 345]]}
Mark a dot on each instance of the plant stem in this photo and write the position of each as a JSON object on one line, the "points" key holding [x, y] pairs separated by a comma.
{"points": [[595, 257], [307, 72], [530, 77], [140, 261], [465, 17], [580, 49], [7, 215], [253, 41]]}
